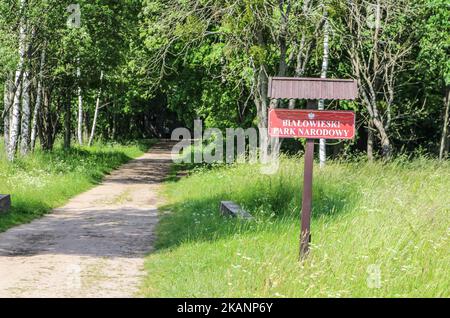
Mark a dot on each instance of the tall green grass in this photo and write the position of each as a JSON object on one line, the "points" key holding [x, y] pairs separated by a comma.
{"points": [[393, 218], [45, 180]]}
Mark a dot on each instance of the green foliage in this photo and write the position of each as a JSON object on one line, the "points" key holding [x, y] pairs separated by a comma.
{"points": [[435, 44], [206, 60], [167, 63]]}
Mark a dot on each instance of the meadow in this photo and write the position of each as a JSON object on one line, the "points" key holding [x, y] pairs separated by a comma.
{"points": [[46, 180], [378, 230]]}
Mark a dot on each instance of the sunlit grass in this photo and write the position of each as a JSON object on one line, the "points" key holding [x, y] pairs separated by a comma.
{"points": [[393, 217], [45, 180]]}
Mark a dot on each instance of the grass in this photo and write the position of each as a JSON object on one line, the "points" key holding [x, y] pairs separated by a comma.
{"points": [[390, 221], [45, 180]]}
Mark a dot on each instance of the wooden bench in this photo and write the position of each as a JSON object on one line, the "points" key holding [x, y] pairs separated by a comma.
{"points": [[229, 208], [5, 203]]}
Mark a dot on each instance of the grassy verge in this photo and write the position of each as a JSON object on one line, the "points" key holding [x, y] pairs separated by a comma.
{"points": [[45, 180], [387, 221]]}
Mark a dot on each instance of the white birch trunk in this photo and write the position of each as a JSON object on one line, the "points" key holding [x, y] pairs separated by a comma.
{"points": [[25, 125], [37, 106], [443, 149], [15, 120], [7, 112], [326, 31], [97, 105], [80, 109]]}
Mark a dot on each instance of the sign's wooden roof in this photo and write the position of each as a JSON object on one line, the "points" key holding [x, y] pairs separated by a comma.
{"points": [[312, 88]]}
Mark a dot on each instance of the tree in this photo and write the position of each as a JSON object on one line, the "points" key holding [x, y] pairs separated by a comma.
{"points": [[134, 69], [326, 34], [378, 44], [97, 107], [37, 106], [434, 63], [15, 120], [246, 40]]}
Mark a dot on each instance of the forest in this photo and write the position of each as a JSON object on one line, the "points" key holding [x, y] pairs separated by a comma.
{"points": [[133, 69]]}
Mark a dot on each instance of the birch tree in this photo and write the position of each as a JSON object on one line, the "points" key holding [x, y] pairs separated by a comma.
{"points": [[259, 39], [305, 45], [37, 106], [445, 136], [80, 108], [15, 120], [97, 106], [25, 118], [7, 100]]}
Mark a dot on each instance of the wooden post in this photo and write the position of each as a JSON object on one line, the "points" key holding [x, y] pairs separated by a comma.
{"points": [[305, 235], [307, 199], [311, 89]]}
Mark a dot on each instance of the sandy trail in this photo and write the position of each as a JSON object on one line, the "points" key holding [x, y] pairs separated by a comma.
{"points": [[95, 245]]}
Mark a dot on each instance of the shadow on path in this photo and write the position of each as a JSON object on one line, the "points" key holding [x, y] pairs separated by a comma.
{"points": [[109, 228]]}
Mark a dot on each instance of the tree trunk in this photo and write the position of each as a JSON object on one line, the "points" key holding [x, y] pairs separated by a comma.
{"points": [[37, 106], [386, 148], [67, 122], [261, 102], [445, 139], [80, 109], [7, 111], [49, 120], [303, 51], [97, 105], [326, 33], [25, 125], [370, 138], [114, 126], [274, 142], [15, 120], [86, 125]]}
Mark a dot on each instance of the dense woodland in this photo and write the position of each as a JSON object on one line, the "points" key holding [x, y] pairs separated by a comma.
{"points": [[129, 69]]}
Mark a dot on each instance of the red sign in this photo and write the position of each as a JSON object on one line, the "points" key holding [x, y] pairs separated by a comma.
{"points": [[311, 124]]}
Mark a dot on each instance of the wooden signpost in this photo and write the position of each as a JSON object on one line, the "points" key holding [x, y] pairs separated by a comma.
{"points": [[311, 124]]}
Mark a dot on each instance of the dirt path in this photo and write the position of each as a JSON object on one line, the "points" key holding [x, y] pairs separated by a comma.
{"points": [[95, 245]]}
